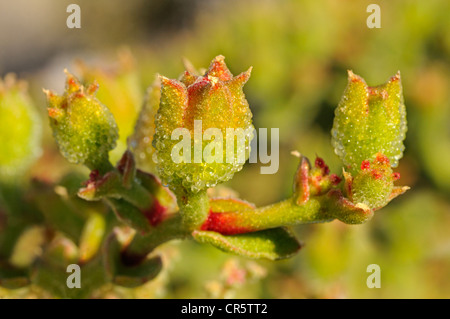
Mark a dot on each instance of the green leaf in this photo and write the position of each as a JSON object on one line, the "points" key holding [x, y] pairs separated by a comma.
{"points": [[62, 212], [92, 236], [52, 277], [13, 278], [127, 275], [138, 275], [129, 214], [273, 244]]}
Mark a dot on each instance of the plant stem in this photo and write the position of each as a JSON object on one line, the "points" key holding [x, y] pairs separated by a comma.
{"points": [[318, 209], [143, 244], [102, 164], [194, 208]]}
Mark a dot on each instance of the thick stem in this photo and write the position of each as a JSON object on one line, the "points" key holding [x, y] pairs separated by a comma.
{"points": [[317, 209], [194, 208], [102, 164], [138, 196], [284, 213], [288, 213], [142, 245]]}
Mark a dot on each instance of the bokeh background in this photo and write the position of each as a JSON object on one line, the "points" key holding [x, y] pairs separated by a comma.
{"points": [[300, 52]]}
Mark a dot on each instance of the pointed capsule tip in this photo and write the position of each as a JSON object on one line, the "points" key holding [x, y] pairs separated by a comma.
{"points": [[296, 154], [248, 72], [350, 73], [243, 77], [68, 74], [363, 206], [53, 113], [219, 58], [92, 88], [171, 83], [72, 83], [163, 79], [49, 94], [219, 69], [395, 77], [354, 77]]}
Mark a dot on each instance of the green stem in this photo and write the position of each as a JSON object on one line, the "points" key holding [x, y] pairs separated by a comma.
{"points": [[194, 208], [143, 244], [137, 195], [102, 164], [287, 213], [318, 209], [284, 213]]}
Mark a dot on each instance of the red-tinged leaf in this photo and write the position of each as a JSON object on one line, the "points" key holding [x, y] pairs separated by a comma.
{"points": [[273, 244]]}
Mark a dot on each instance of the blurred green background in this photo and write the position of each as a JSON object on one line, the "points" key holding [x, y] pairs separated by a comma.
{"points": [[300, 52]]}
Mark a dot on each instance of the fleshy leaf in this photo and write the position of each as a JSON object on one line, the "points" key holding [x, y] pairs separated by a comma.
{"points": [[137, 198], [124, 275], [91, 237], [273, 244], [62, 212], [138, 275], [53, 278], [13, 278]]}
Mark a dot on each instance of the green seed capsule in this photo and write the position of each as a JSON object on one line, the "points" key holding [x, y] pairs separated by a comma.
{"points": [[369, 120], [196, 119], [374, 183], [84, 129]]}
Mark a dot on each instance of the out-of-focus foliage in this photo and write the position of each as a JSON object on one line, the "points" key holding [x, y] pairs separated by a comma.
{"points": [[300, 51], [121, 93], [20, 141]]}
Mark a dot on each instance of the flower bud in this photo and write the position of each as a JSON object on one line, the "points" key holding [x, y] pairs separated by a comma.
{"points": [[369, 120], [84, 129], [208, 112]]}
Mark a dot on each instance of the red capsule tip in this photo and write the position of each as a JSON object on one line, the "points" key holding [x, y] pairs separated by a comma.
{"points": [[335, 180], [396, 176], [365, 165], [319, 163], [382, 159], [376, 174]]}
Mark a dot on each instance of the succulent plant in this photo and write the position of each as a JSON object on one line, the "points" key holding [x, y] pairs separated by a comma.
{"points": [[158, 189]]}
